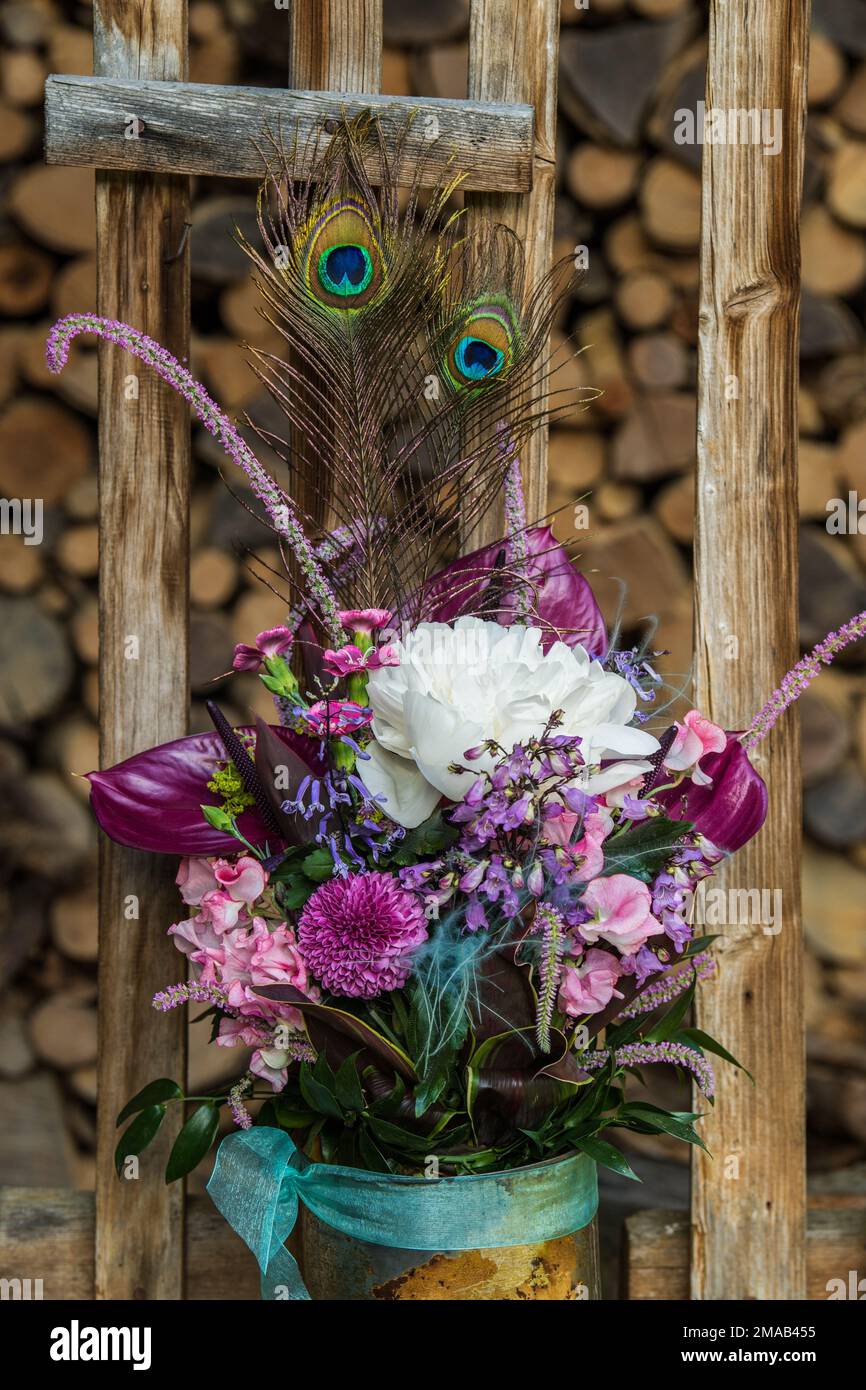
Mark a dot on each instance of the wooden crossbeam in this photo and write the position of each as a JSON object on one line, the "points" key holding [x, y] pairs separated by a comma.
{"points": [[48, 1234], [656, 1252], [195, 128]]}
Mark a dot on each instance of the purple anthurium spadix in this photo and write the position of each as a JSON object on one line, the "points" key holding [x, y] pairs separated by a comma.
{"points": [[729, 810], [486, 583], [153, 800]]}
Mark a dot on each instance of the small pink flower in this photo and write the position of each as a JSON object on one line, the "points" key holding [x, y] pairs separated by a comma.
{"points": [[333, 718], [695, 737], [271, 1064], [621, 908], [222, 910], [274, 641], [195, 877], [588, 849], [247, 1031], [615, 796], [350, 659], [589, 987], [364, 620], [244, 880]]}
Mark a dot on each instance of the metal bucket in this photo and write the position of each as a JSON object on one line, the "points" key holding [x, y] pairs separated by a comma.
{"points": [[339, 1267]]}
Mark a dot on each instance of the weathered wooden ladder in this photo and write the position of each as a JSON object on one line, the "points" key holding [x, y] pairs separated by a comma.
{"points": [[748, 1206]]}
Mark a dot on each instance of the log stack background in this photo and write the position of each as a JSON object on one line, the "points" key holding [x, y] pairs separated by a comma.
{"points": [[629, 194]]}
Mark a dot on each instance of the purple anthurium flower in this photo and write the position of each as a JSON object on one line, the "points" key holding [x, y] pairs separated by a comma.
{"points": [[728, 811], [565, 607], [153, 800]]}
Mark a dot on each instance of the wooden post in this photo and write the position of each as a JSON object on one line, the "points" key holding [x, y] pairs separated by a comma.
{"points": [[748, 1201], [513, 47], [143, 669]]}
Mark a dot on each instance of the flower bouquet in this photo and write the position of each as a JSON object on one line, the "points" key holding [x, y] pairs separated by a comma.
{"points": [[441, 905]]}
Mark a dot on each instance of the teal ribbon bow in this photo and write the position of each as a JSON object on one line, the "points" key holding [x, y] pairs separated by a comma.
{"points": [[259, 1178]]}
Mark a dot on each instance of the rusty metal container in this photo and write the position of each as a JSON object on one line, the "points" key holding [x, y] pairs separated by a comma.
{"points": [[340, 1267]]}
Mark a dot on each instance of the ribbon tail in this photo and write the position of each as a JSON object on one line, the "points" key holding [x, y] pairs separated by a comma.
{"points": [[254, 1186]]}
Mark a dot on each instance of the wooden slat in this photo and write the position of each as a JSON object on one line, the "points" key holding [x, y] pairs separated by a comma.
{"points": [[656, 1252], [48, 1234], [334, 46], [143, 687], [748, 1200], [513, 48], [193, 128]]}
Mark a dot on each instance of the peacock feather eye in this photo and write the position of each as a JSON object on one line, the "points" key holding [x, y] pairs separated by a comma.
{"points": [[484, 346], [343, 262], [345, 270], [477, 359]]}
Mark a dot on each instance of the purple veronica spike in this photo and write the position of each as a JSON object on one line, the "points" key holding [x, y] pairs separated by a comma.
{"points": [[800, 677], [278, 504], [644, 1054]]}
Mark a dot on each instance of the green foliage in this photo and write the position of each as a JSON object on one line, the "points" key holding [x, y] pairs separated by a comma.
{"points": [[644, 849], [193, 1142]]}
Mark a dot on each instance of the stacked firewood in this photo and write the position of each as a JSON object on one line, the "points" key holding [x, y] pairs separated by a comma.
{"points": [[621, 480]]}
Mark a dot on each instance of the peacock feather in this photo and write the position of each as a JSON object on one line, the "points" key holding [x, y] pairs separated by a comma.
{"points": [[411, 344]]}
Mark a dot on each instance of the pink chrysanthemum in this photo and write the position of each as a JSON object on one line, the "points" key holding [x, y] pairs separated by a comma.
{"points": [[357, 934]]}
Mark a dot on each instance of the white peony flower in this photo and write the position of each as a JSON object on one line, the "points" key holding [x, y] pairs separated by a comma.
{"points": [[458, 685]]}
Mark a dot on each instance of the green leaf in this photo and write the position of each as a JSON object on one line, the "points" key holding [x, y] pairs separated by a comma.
{"points": [[136, 1138], [661, 1121], [295, 891], [700, 944], [193, 1142], [317, 1095], [318, 865], [670, 1022], [644, 849], [397, 1138], [703, 1042], [426, 841], [347, 1085], [373, 1157], [153, 1094], [429, 1090], [608, 1156]]}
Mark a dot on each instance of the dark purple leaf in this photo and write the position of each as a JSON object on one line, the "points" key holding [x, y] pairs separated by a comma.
{"points": [[505, 995], [153, 800], [514, 1087], [323, 1021], [729, 811], [565, 605], [272, 754]]}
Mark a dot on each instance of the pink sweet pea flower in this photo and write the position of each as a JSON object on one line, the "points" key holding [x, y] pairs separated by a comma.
{"points": [[274, 641], [588, 848], [589, 987], [621, 908], [695, 737], [616, 796], [244, 880], [222, 910], [195, 877], [271, 1064], [364, 620]]}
